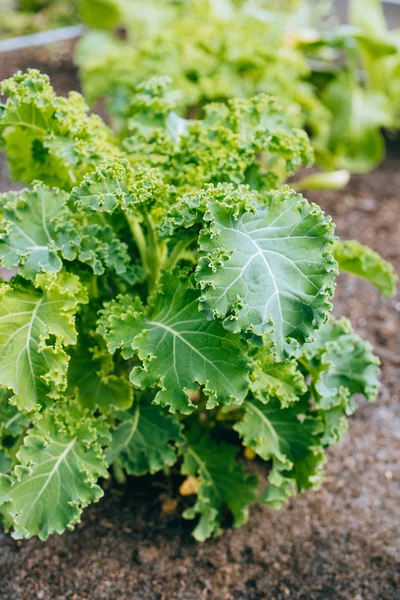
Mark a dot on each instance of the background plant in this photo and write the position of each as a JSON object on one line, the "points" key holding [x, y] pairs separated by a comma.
{"points": [[216, 50], [20, 17], [361, 94]]}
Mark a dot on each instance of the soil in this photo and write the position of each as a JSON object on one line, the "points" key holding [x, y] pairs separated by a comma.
{"points": [[339, 543]]}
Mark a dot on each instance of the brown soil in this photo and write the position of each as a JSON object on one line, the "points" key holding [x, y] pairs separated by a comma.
{"points": [[339, 543]]}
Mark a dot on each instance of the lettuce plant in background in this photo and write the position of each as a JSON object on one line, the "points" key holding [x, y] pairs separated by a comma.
{"points": [[171, 308], [221, 49], [363, 94], [20, 17]]}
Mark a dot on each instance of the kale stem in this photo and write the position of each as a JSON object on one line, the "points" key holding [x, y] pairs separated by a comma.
{"points": [[140, 240], [94, 288], [154, 252], [118, 472], [177, 253], [313, 374]]}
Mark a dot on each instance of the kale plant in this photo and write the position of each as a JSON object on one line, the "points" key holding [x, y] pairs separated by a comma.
{"points": [[169, 309], [217, 49], [212, 50]]}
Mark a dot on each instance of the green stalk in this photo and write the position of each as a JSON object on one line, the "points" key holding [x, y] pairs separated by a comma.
{"points": [[140, 240], [118, 472], [177, 253], [153, 254], [313, 374], [94, 288]]}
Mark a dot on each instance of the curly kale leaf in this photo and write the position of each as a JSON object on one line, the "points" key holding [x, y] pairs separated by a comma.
{"points": [[29, 237], [290, 437], [223, 484], [267, 269], [39, 230], [116, 185], [145, 439], [353, 257], [178, 347], [341, 364], [50, 138], [37, 322], [282, 380], [59, 464], [209, 59], [243, 141]]}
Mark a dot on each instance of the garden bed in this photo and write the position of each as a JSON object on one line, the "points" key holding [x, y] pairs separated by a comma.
{"points": [[340, 543]]}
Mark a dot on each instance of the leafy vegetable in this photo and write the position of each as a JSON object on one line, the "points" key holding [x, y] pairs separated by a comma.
{"points": [[341, 365], [171, 301], [93, 381], [180, 349], [360, 260], [281, 380], [32, 365], [48, 137], [223, 483], [218, 50], [59, 464], [290, 438], [252, 272], [211, 53], [30, 16], [144, 439]]}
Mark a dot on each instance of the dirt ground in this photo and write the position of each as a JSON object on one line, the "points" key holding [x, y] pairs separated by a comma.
{"points": [[339, 543]]}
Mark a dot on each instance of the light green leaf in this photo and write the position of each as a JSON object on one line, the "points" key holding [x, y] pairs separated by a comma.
{"points": [[242, 141], [369, 16], [282, 380], [179, 348], [32, 364], [116, 185], [223, 484], [50, 138], [59, 464], [336, 422], [352, 366], [325, 180], [5, 464], [104, 190], [190, 209], [145, 440], [39, 228], [341, 364], [268, 270], [101, 14], [353, 257], [29, 238], [120, 323], [289, 437], [358, 117], [101, 248]]}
